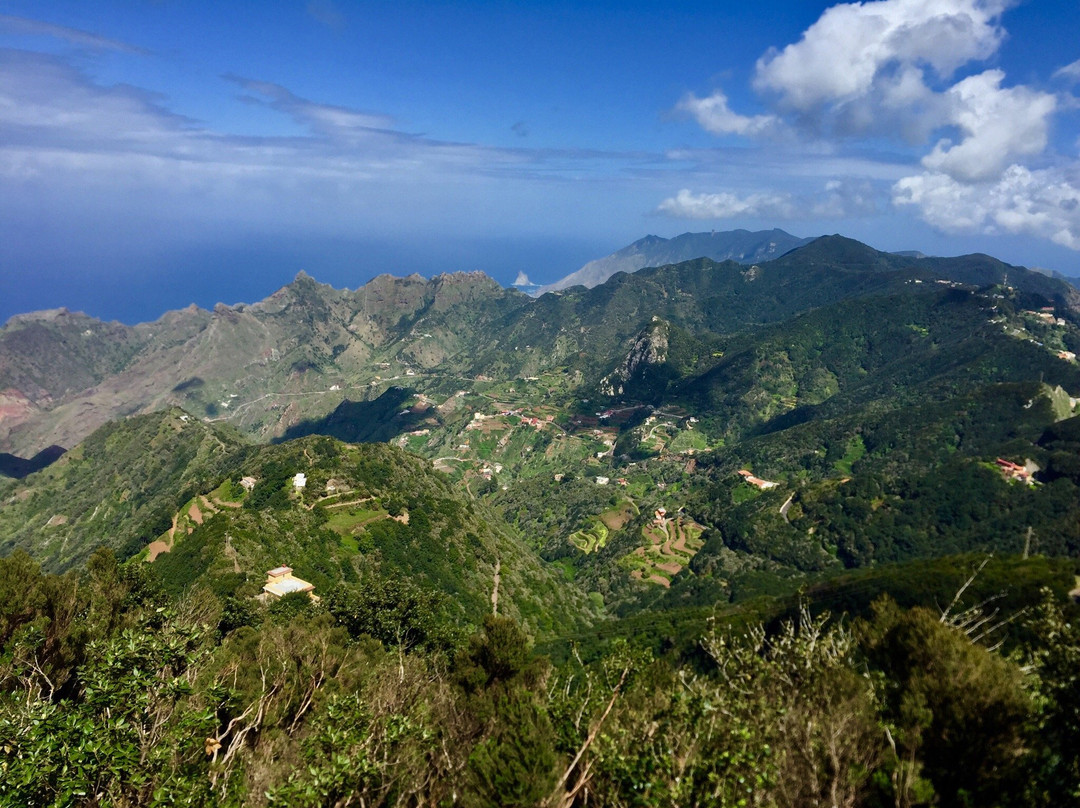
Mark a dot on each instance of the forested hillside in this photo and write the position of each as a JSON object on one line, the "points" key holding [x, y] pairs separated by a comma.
{"points": [[113, 693], [203, 509]]}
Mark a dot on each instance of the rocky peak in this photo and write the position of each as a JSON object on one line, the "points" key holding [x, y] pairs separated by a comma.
{"points": [[649, 348]]}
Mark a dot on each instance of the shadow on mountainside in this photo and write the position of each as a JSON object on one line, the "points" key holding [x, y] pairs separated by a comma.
{"points": [[19, 467], [376, 421]]}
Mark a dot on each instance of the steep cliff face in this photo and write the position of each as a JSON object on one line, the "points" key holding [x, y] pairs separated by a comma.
{"points": [[46, 355], [648, 350]]}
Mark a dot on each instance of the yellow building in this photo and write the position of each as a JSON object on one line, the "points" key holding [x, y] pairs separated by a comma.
{"points": [[281, 582]]}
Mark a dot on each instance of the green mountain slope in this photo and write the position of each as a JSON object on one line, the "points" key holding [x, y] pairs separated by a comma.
{"points": [[304, 350], [914, 391], [119, 488], [206, 507], [615, 428], [586, 328], [362, 510], [888, 351]]}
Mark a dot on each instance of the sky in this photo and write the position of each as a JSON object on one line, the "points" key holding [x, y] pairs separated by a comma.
{"points": [[155, 153]]}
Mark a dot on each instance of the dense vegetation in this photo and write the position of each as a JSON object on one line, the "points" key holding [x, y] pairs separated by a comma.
{"points": [[120, 487], [370, 509], [111, 692]]}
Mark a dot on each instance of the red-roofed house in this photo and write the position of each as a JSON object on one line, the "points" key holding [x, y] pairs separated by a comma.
{"points": [[1012, 471]]}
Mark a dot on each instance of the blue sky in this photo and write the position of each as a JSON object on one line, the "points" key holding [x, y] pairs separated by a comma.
{"points": [[154, 154]]}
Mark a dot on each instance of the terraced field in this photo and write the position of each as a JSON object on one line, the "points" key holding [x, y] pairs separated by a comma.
{"points": [[670, 544], [348, 515], [613, 520], [616, 518], [194, 513], [591, 539]]}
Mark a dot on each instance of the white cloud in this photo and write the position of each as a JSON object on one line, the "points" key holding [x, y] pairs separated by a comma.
{"points": [[688, 205], [714, 115], [43, 102], [28, 27], [837, 199], [885, 69], [878, 67], [1043, 203], [54, 119], [841, 199], [801, 165], [882, 68], [842, 55], [325, 119], [88, 151], [56, 122], [1000, 124], [1070, 71]]}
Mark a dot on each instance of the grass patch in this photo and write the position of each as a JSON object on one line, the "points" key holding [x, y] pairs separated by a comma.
{"points": [[689, 439], [616, 518], [415, 443], [568, 567], [228, 491], [744, 492], [345, 521], [486, 446], [855, 451]]}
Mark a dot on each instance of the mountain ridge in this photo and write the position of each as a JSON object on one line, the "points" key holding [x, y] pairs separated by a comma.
{"points": [[742, 246], [302, 351]]}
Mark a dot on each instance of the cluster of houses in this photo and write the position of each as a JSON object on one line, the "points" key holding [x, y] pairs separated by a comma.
{"points": [[530, 420], [487, 471], [1046, 314], [601, 480], [299, 482], [477, 419]]}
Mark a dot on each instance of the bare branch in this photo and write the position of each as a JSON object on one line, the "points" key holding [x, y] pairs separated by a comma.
{"points": [[592, 736], [961, 590]]}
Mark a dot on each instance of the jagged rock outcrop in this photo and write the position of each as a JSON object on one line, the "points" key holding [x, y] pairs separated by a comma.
{"points": [[648, 349]]}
